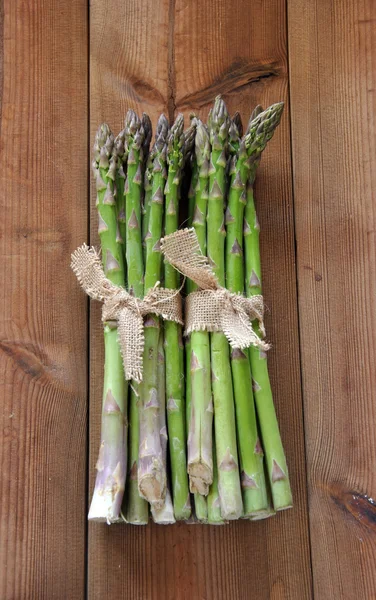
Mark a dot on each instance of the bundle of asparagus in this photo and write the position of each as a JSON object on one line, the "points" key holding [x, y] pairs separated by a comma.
{"points": [[200, 427]]}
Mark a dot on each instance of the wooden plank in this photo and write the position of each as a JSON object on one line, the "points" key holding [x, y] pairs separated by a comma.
{"points": [[333, 76], [43, 319], [186, 55]]}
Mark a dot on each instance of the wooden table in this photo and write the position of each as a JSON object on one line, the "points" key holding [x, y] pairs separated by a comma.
{"points": [[66, 67]]}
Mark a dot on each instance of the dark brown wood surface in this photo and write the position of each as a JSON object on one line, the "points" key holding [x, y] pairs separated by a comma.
{"points": [[315, 207], [333, 109], [43, 334]]}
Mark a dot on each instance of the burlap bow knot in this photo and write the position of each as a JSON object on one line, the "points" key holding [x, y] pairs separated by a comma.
{"points": [[213, 308], [123, 308]]}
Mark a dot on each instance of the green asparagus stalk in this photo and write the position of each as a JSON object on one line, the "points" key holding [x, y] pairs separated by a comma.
{"points": [[201, 510], [262, 127], [224, 422], [189, 285], [164, 515], [214, 516], [255, 498], [134, 134], [200, 504], [174, 376], [192, 189], [135, 508], [188, 289], [269, 511], [200, 458], [151, 470], [147, 174], [188, 157], [121, 154], [112, 459]]}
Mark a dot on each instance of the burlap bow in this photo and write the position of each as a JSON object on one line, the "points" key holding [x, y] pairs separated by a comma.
{"points": [[213, 308], [126, 310]]}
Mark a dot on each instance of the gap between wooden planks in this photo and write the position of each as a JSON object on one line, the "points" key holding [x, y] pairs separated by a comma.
{"points": [[176, 56]]}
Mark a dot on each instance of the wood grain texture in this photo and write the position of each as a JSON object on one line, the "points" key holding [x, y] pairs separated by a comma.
{"points": [[43, 326], [333, 78], [172, 56]]}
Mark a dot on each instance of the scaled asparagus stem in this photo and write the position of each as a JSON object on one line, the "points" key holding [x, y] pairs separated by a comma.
{"points": [[152, 478], [250, 452], [164, 515], [224, 421], [147, 174], [135, 509], [112, 459], [262, 127], [121, 151], [214, 516], [134, 135], [177, 145], [200, 459]]}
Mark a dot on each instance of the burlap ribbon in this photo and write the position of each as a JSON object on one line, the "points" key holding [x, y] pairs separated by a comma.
{"points": [[126, 310], [213, 308]]}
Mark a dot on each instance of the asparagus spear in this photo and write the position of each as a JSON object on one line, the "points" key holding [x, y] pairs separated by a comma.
{"points": [[224, 422], [250, 452], [134, 134], [164, 515], [201, 510], [148, 173], [121, 151], [262, 127], [214, 516], [112, 459], [192, 191], [135, 508], [151, 468], [174, 376], [191, 201], [200, 459]]}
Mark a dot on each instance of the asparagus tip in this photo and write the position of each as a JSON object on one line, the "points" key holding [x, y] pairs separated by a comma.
{"points": [[148, 130], [219, 113], [237, 122]]}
